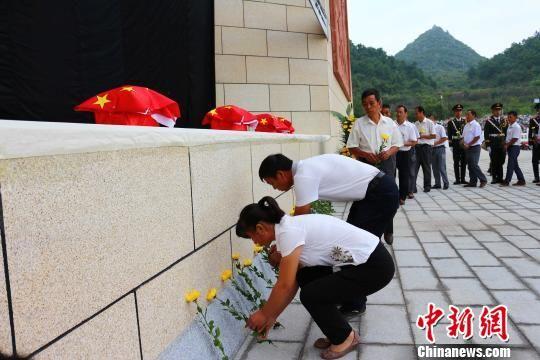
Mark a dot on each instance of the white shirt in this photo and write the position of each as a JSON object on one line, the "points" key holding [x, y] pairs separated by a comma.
{"points": [[425, 127], [440, 133], [327, 240], [331, 177], [513, 132], [470, 131], [409, 133], [368, 136]]}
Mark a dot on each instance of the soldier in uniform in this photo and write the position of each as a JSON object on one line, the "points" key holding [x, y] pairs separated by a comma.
{"points": [[455, 134], [534, 141], [494, 135]]}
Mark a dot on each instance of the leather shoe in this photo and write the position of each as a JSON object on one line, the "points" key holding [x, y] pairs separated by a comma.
{"points": [[483, 183], [389, 238], [457, 183], [495, 181], [436, 187], [536, 181], [469, 185], [519, 183], [322, 343], [401, 202], [427, 189], [410, 196], [446, 187], [504, 183]]}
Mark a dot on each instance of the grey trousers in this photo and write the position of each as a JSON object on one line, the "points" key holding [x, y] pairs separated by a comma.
{"points": [[439, 165], [423, 159], [412, 170], [473, 156]]}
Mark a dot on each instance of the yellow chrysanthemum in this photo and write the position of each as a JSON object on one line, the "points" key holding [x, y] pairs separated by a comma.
{"points": [[345, 126], [247, 262], [192, 296], [351, 117], [257, 249], [226, 275], [385, 137], [235, 256], [211, 295]]}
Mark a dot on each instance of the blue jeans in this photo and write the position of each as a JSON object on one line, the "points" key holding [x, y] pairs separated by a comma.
{"points": [[513, 153], [473, 156]]}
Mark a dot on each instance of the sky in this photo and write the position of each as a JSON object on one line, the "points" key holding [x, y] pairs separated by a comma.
{"points": [[487, 26]]}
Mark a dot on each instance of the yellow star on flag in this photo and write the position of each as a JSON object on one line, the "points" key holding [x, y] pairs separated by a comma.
{"points": [[213, 112], [127, 88], [228, 107], [264, 121], [102, 100]]}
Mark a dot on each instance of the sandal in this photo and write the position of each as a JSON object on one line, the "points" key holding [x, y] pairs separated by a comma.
{"points": [[329, 354]]}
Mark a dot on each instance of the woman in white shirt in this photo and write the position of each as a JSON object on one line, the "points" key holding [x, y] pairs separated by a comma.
{"points": [[330, 260]]}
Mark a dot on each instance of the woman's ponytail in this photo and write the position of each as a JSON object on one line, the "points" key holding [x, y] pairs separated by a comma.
{"points": [[267, 210]]}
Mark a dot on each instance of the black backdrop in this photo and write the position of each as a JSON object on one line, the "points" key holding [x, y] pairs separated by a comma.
{"points": [[56, 54]]}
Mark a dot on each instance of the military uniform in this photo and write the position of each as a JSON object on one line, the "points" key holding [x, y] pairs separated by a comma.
{"points": [[534, 140], [494, 135], [455, 134]]}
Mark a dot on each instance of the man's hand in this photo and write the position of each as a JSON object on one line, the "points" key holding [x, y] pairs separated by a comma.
{"points": [[384, 155], [274, 256], [371, 158]]}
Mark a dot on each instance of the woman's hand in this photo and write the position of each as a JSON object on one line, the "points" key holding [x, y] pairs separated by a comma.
{"points": [[274, 256], [260, 322]]}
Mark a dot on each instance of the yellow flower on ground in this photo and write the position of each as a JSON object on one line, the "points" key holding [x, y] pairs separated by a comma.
{"points": [[192, 296], [226, 275], [235, 256], [247, 262], [257, 249], [385, 137], [211, 295]]}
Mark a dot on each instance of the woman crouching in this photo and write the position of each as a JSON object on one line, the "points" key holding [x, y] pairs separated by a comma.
{"points": [[330, 260]]}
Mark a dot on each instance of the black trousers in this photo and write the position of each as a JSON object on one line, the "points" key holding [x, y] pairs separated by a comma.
{"points": [[403, 168], [460, 163], [423, 158], [322, 289], [535, 160], [498, 157]]}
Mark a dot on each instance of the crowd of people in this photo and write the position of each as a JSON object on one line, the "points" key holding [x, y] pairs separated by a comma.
{"points": [[336, 264]]}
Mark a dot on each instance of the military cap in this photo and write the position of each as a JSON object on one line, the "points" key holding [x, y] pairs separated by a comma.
{"points": [[457, 107], [496, 106]]}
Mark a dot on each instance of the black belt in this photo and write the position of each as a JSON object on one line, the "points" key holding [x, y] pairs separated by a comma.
{"points": [[375, 181], [423, 145], [438, 146]]}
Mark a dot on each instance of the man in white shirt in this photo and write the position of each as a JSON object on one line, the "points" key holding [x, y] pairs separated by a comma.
{"points": [[426, 128], [512, 146], [413, 161], [439, 157], [408, 132], [472, 138], [375, 139]]}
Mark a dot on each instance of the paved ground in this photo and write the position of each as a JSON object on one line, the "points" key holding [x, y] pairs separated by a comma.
{"points": [[465, 247]]}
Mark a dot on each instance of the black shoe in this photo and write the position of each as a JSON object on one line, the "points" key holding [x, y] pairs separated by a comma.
{"points": [[352, 310], [389, 238], [496, 181], [504, 183], [427, 189], [458, 183], [436, 187], [536, 181], [446, 187], [483, 183], [415, 191], [469, 185]]}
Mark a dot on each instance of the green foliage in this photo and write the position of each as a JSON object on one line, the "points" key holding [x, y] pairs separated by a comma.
{"points": [[441, 56], [322, 207]]}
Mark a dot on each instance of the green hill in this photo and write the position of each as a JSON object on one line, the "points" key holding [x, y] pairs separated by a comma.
{"points": [[441, 56], [395, 79]]}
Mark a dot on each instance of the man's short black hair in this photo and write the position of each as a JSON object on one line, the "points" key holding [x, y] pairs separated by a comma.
{"points": [[420, 109], [272, 164], [513, 112], [473, 112], [385, 106], [369, 92], [402, 106]]}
